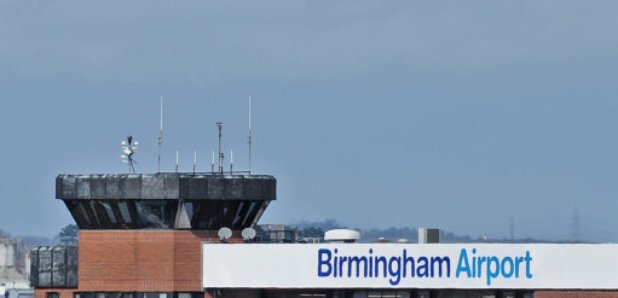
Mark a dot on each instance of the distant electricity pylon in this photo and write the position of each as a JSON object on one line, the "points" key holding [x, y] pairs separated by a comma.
{"points": [[512, 228], [575, 227]]}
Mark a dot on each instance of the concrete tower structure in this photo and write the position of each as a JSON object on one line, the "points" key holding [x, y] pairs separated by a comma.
{"points": [[140, 234], [157, 236]]}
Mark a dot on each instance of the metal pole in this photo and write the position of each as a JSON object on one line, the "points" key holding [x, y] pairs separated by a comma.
{"points": [[194, 160], [231, 162], [160, 138], [176, 161], [220, 127], [249, 140]]}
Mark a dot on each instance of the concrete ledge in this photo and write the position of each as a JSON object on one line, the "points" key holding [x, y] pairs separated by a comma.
{"points": [[165, 186]]}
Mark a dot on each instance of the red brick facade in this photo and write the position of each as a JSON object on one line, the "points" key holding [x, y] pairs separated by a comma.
{"points": [[576, 294], [139, 261], [170, 261]]}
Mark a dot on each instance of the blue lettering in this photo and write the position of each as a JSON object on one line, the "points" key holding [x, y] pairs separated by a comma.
{"points": [[394, 271], [357, 261], [518, 261], [378, 261], [342, 261], [336, 259], [370, 263], [421, 269], [324, 256], [528, 259], [441, 261], [395, 268], [492, 272], [479, 270], [463, 264], [407, 260], [507, 260], [472, 266]]}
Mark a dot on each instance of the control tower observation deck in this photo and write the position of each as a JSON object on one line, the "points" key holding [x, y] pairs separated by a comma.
{"points": [[140, 235], [166, 200]]}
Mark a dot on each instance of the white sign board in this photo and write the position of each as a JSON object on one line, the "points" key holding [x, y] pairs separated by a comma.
{"points": [[453, 266]]}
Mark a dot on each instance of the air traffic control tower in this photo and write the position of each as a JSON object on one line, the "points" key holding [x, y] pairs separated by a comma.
{"points": [[140, 234], [158, 235]]}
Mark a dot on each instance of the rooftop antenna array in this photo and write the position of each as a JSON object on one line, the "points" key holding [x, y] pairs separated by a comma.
{"points": [[130, 146], [160, 138], [128, 149], [249, 139]]}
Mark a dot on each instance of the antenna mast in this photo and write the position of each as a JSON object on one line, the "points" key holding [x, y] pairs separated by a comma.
{"points": [[220, 127], [249, 139], [160, 138], [176, 161], [194, 160]]}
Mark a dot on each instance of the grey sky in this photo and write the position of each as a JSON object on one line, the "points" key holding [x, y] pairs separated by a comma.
{"points": [[455, 114]]}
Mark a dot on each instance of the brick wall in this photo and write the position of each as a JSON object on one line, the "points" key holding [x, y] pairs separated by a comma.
{"points": [[169, 261], [576, 294], [42, 293], [141, 260]]}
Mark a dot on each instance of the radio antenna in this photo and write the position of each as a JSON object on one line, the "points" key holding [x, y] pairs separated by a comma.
{"points": [[194, 160], [160, 138], [249, 139], [231, 162], [220, 127], [176, 161]]}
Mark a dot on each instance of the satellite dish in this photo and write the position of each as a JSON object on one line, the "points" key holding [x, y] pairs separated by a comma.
{"points": [[224, 233], [248, 233]]}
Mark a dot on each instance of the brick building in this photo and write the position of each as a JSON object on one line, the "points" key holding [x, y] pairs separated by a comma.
{"points": [[149, 235]]}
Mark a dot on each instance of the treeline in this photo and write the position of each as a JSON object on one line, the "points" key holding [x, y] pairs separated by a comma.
{"points": [[316, 229]]}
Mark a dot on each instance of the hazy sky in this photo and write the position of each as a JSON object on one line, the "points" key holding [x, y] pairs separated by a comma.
{"points": [[450, 114]]}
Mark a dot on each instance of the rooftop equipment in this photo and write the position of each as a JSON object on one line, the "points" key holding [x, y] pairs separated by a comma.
{"points": [[224, 233], [342, 235], [427, 235], [248, 234]]}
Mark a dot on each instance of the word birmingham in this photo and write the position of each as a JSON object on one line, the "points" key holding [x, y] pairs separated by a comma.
{"points": [[394, 268]]}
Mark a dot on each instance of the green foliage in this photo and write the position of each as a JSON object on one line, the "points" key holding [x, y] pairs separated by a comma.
{"points": [[69, 234], [312, 232]]}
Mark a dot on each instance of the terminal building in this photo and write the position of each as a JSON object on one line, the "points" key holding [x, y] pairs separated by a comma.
{"points": [[188, 235]]}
